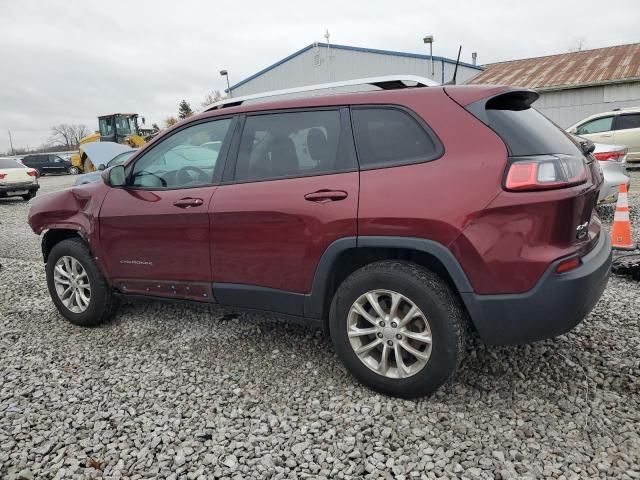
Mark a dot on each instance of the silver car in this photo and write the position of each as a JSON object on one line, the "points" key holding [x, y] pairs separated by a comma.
{"points": [[613, 163]]}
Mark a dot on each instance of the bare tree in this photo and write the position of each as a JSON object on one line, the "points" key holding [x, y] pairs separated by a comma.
{"points": [[170, 121], [68, 136], [212, 97]]}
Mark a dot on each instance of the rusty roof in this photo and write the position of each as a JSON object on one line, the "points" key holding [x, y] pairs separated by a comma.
{"points": [[566, 70]]}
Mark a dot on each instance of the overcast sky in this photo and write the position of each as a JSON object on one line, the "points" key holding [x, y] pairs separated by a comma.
{"points": [[68, 61]]}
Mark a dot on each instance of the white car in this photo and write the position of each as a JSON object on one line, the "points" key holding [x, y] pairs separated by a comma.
{"points": [[613, 163], [17, 180]]}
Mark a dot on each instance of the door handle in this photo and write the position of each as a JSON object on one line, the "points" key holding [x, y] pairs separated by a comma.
{"points": [[323, 196], [188, 202], [606, 135]]}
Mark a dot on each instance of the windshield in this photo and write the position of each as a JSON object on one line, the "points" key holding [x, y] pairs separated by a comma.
{"points": [[7, 163], [120, 159]]}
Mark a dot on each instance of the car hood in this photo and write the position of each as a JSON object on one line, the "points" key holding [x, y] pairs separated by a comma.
{"points": [[87, 178], [100, 153]]}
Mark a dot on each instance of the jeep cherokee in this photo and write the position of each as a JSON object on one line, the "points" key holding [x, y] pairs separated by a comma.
{"points": [[397, 220]]}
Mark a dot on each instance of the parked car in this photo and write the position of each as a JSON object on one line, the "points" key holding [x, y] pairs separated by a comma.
{"points": [[47, 163], [17, 180], [344, 212], [612, 162], [104, 155], [620, 126]]}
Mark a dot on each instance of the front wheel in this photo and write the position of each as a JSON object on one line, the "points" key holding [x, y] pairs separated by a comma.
{"points": [[74, 171], [29, 196], [76, 284], [398, 328]]}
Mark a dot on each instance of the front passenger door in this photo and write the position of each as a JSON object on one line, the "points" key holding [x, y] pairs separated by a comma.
{"points": [[155, 231]]}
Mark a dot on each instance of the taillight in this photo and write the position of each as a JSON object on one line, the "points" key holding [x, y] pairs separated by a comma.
{"points": [[2, 175], [544, 172], [611, 156], [32, 173]]}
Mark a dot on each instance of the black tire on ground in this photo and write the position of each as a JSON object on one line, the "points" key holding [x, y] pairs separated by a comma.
{"points": [[103, 303], [73, 171], [29, 196], [446, 316]]}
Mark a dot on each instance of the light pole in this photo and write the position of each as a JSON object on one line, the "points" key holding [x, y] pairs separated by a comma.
{"points": [[429, 39], [224, 73]]}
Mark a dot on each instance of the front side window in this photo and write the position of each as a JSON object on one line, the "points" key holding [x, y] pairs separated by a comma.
{"points": [[183, 159], [598, 125], [388, 136], [291, 145], [625, 122]]}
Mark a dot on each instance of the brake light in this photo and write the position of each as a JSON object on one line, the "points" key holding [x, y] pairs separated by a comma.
{"points": [[568, 265], [611, 156], [544, 172], [32, 173], [2, 175]]}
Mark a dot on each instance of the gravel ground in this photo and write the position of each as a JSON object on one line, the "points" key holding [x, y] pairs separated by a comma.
{"points": [[166, 391]]}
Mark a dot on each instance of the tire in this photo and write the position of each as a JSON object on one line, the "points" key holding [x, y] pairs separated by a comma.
{"points": [[102, 303], [74, 171], [28, 196], [443, 320]]}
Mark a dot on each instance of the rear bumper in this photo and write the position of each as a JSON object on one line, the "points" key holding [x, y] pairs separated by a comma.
{"points": [[9, 189], [554, 306]]}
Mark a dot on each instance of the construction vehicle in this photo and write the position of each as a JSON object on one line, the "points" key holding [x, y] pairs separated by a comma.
{"points": [[117, 127]]}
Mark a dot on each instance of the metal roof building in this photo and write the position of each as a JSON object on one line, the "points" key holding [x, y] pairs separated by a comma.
{"points": [[323, 63], [574, 85]]}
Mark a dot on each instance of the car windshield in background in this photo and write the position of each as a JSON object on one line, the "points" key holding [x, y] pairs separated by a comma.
{"points": [[8, 163], [120, 159]]}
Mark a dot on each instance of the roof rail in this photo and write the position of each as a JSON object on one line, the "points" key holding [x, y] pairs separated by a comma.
{"points": [[388, 82]]}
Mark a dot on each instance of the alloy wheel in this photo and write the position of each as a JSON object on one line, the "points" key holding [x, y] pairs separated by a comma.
{"points": [[389, 333], [72, 284]]}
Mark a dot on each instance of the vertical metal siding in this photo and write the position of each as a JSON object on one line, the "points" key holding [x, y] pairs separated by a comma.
{"points": [[566, 107], [345, 65]]}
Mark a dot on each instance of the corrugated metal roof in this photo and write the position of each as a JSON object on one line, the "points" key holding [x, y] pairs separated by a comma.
{"points": [[566, 70]]}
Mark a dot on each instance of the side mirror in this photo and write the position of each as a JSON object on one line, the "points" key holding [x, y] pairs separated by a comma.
{"points": [[573, 131], [102, 166], [114, 176]]}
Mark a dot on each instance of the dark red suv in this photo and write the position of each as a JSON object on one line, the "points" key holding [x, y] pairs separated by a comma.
{"points": [[394, 219]]}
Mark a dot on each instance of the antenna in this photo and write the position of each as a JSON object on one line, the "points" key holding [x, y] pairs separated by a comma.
{"points": [[455, 71], [327, 36]]}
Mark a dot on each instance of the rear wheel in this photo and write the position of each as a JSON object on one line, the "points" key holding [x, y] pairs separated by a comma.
{"points": [[28, 196], [74, 171], [76, 284], [398, 328]]}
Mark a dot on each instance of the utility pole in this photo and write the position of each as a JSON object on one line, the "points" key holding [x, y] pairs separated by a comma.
{"points": [[13, 152]]}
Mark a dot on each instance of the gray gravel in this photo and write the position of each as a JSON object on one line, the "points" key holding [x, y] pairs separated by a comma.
{"points": [[168, 391]]}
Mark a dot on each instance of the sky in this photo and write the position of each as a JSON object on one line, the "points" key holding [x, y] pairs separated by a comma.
{"points": [[70, 61]]}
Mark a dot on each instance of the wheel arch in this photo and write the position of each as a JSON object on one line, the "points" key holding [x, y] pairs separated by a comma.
{"points": [[346, 255], [53, 236]]}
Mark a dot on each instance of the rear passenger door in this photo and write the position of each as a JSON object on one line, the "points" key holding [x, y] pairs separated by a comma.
{"points": [[627, 133], [291, 191]]}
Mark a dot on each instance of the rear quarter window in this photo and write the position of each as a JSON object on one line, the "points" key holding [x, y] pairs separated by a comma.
{"points": [[390, 136]]}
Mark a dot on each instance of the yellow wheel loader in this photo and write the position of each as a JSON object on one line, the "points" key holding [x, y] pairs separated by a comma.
{"points": [[119, 128]]}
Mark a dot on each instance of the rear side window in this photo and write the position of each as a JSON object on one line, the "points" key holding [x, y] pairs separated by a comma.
{"points": [[523, 129], [6, 163], [33, 159], [625, 122], [603, 124], [292, 145], [389, 137]]}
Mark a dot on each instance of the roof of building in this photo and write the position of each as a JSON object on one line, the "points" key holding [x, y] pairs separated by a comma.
{"points": [[567, 70], [355, 49]]}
